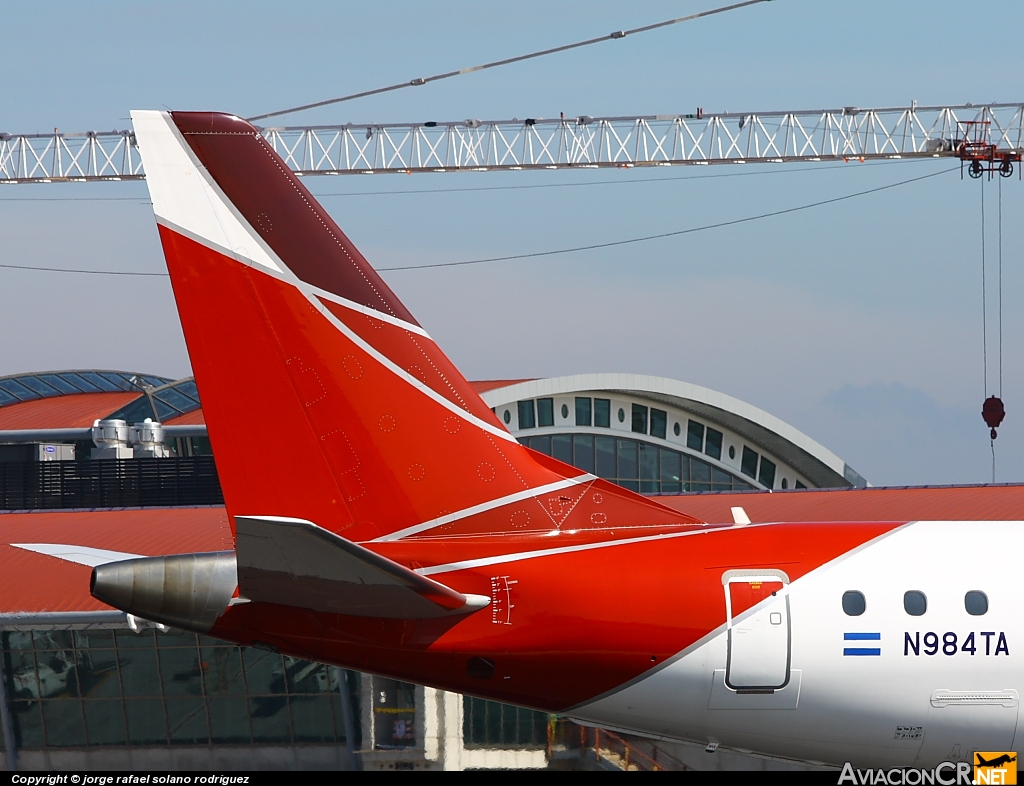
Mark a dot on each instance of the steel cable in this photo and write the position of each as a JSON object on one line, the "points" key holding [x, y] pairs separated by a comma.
{"points": [[590, 247], [675, 233], [507, 61], [984, 296]]}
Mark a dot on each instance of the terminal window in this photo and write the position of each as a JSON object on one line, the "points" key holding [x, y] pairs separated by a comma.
{"points": [[659, 423], [627, 451], [527, 419], [545, 412], [104, 687], [604, 450], [583, 452], [394, 714], [561, 447], [695, 436], [713, 444], [638, 466], [748, 463], [639, 422], [488, 724], [582, 411]]}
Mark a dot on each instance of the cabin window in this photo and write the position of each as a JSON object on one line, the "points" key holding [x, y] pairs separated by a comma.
{"points": [[976, 603], [915, 603], [854, 603]]}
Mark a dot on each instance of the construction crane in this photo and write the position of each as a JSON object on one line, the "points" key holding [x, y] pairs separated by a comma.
{"points": [[986, 138]]}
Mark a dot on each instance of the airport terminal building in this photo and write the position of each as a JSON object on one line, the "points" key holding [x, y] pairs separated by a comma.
{"points": [[660, 436], [116, 693]]}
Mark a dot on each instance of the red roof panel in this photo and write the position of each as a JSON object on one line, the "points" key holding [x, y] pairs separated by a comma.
{"points": [[949, 503], [31, 582], [74, 411], [193, 418]]}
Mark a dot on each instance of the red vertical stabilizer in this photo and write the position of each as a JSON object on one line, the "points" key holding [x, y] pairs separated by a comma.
{"points": [[324, 399]]}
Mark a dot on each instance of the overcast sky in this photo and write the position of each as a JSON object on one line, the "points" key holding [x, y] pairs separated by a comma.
{"points": [[859, 323]]}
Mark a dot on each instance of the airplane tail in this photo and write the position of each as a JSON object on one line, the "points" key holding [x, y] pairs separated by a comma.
{"points": [[325, 400]]}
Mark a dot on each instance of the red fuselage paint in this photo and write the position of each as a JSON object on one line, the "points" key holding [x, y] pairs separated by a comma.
{"points": [[584, 622]]}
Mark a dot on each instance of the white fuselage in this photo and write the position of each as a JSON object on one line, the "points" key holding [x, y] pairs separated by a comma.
{"points": [[882, 689]]}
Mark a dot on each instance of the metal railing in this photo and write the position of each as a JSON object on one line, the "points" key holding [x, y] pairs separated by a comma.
{"points": [[607, 749], [109, 483]]}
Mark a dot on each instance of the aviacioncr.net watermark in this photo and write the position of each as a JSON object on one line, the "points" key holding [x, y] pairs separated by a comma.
{"points": [[949, 773]]}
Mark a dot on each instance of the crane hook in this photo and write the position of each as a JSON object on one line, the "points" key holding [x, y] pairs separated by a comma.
{"points": [[993, 413]]}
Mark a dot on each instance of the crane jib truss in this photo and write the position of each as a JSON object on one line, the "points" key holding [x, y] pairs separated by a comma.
{"points": [[563, 143]]}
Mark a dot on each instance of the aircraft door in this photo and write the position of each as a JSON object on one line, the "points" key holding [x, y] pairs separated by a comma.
{"points": [[759, 640]]}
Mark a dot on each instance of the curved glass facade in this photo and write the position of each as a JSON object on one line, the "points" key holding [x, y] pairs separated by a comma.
{"points": [[115, 688], [488, 724], [104, 687], [27, 387], [162, 403], [638, 466]]}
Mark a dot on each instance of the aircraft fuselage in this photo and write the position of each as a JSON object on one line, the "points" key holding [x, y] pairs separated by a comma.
{"points": [[735, 635]]}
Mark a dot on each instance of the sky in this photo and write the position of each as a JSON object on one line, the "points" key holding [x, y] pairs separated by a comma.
{"points": [[860, 323]]}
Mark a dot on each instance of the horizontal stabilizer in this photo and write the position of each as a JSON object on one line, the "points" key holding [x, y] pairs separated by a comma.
{"points": [[294, 562]]}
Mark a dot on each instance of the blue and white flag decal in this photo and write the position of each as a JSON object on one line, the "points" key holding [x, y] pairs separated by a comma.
{"points": [[862, 637]]}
